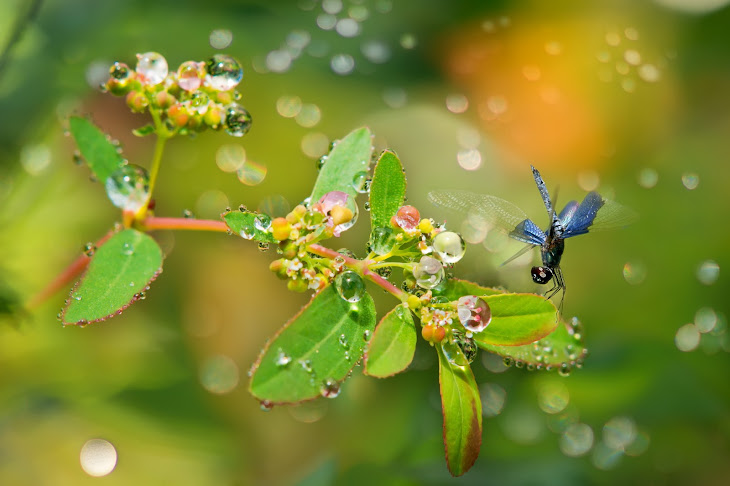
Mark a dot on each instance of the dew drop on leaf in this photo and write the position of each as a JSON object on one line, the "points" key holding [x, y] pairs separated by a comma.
{"points": [[262, 222], [330, 388], [127, 249], [349, 286], [282, 359]]}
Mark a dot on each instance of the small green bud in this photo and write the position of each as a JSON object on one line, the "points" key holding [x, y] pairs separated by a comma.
{"points": [[137, 101]]}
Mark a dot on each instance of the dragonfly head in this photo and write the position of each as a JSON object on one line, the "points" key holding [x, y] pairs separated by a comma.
{"points": [[541, 275]]}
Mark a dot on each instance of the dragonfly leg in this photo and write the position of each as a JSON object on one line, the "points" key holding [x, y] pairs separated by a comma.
{"points": [[559, 284]]}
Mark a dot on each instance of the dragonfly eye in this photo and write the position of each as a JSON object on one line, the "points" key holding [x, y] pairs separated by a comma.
{"points": [[541, 275]]}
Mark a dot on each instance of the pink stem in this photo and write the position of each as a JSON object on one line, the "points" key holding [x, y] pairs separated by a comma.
{"points": [[360, 265], [152, 223], [65, 277]]}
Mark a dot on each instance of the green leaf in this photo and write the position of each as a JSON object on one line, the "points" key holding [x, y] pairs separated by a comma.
{"points": [[456, 288], [517, 319], [392, 345], [100, 154], [243, 223], [387, 190], [120, 270], [145, 130], [462, 409], [350, 156], [321, 343], [563, 350]]}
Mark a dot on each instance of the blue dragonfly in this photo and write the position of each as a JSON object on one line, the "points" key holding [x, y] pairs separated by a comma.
{"points": [[592, 214]]}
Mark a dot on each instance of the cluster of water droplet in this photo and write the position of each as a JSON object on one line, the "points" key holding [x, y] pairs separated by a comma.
{"points": [[196, 96]]}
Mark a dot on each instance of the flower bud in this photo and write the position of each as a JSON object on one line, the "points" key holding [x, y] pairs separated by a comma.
{"points": [[137, 101], [280, 229], [178, 114], [164, 100], [340, 215], [213, 117], [298, 285]]}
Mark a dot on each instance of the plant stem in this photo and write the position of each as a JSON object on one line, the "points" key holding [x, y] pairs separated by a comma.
{"points": [[153, 223], [407, 266], [162, 136], [362, 267], [65, 277]]}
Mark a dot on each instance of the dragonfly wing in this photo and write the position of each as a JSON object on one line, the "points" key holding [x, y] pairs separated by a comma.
{"points": [[528, 232], [498, 212], [524, 250], [566, 215], [596, 213]]}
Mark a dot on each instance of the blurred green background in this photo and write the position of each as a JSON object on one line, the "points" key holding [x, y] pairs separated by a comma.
{"points": [[629, 97]]}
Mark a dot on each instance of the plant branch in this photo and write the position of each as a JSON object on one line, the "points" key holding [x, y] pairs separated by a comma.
{"points": [[153, 223], [362, 267], [65, 277], [162, 136]]}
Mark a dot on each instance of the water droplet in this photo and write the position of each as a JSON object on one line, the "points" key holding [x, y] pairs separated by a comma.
{"points": [[262, 222], [152, 68], [190, 75], [428, 272], [474, 314], [366, 335], [708, 272], [449, 246], [330, 388], [76, 296], [690, 180], [341, 209], [382, 240], [128, 187], [266, 405], [407, 217], [127, 249], [306, 366], [453, 354], [349, 286], [343, 341], [577, 440], [361, 183], [247, 231], [98, 457], [687, 338], [281, 358], [89, 249], [238, 120], [224, 72]]}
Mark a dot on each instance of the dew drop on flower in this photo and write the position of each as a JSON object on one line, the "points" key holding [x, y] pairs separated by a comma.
{"points": [[349, 286], [330, 388], [120, 71], [474, 313], [189, 75], [449, 246], [407, 217], [428, 272], [152, 67], [224, 72], [238, 120], [128, 187]]}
